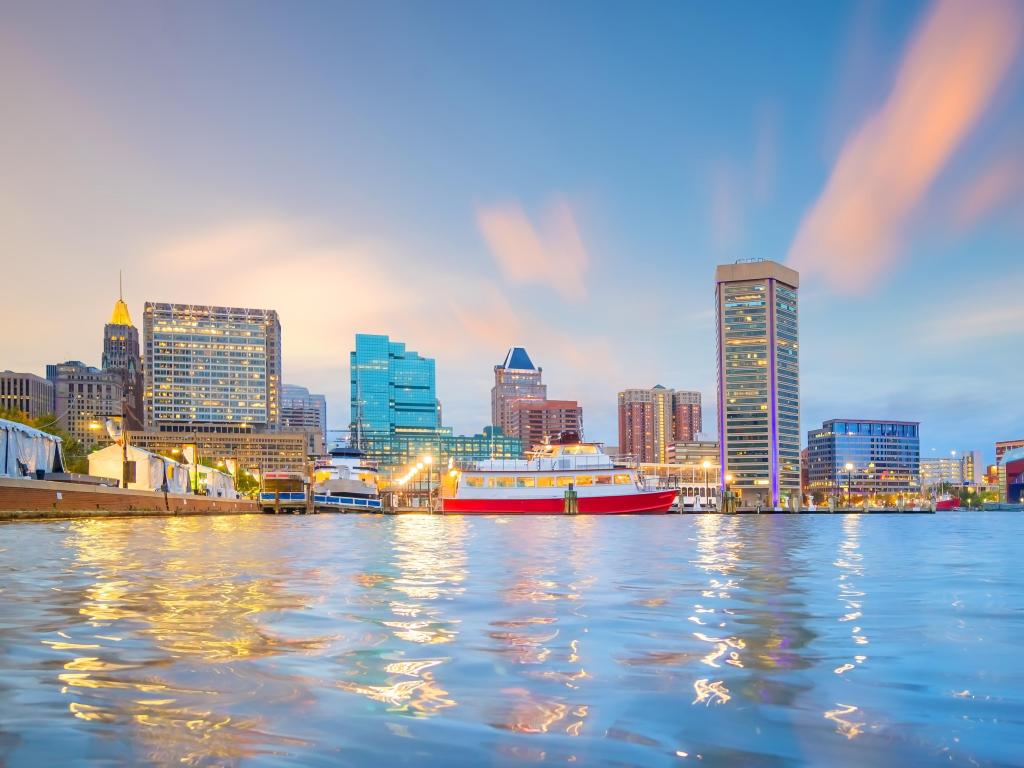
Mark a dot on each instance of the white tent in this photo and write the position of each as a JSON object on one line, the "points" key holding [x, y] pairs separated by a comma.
{"points": [[217, 483], [24, 450], [150, 469]]}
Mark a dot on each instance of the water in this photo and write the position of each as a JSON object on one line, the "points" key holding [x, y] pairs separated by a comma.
{"points": [[351, 640]]}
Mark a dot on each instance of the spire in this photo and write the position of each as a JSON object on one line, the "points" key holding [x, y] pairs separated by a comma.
{"points": [[120, 315], [518, 360]]}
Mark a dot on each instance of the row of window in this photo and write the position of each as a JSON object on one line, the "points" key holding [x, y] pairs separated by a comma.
{"points": [[547, 481]]}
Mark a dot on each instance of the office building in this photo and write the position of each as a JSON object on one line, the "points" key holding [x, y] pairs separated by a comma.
{"points": [[302, 411], [1003, 446], [211, 369], [652, 421], [960, 468], [515, 379], [758, 380], [84, 398], [538, 421], [25, 393], [255, 452], [394, 410], [694, 452], [121, 355], [687, 419], [884, 458]]}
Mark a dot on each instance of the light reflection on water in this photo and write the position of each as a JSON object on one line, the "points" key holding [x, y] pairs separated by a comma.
{"points": [[450, 641]]}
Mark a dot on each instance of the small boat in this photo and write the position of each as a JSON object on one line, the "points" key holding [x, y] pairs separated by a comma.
{"points": [[563, 477], [345, 482]]}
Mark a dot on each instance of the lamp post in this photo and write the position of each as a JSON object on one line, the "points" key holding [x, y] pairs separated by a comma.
{"points": [[849, 481], [706, 464], [728, 493], [428, 461]]}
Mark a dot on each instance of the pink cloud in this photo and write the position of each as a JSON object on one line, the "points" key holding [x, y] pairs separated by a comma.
{"points": [[552, 254], [948, 76], [1001, 184]]}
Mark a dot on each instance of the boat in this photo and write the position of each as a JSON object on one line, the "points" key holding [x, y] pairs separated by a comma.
{"points": [[566, 476], [345, 481], [947, 503]]}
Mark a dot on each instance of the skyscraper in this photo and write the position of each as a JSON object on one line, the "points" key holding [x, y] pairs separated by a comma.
{"points": [[538, 421], [121, 356], [652, 420], [515, 379], [758, 380], [884, 458], [687, 416], [303, 411], [211, 369]]}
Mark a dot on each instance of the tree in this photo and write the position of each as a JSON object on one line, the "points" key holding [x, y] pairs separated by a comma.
{"points": [[74, 453]]}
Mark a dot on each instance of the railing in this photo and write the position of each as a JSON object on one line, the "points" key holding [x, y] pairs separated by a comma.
{"points": [[345, 501], [272, 497]]}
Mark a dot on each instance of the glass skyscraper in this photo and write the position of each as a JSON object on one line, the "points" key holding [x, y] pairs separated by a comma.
{"points": [[758, 380], [885, 457], [394, 415]]}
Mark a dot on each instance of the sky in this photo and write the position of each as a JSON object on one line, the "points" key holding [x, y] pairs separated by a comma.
{"points": [[468, 176]]}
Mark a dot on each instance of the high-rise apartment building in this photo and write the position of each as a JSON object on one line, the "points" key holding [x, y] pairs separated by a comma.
{"points": [[687, 416], [26, 393], [84, 397], [211, 369], [121, 355], [538, 421], [652, 420], [758, 380], [884, 458], [515, 379], [302, 411]]}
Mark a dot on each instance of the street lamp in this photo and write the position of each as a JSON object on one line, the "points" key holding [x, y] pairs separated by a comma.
{"points": [[728, 493], [428, 461], [849, 480], [706, 464]]}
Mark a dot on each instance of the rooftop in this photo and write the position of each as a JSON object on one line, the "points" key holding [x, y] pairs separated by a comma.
{"points": [[518, 360]]}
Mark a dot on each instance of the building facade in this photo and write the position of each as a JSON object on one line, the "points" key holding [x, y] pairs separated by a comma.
{"points": [[758, 380], [687, 416], [255, 452], [307, 412], [884, 458], [121, 355], [694, 452], [515, 379], [84, 397], [1003, 446], [26, 393], [211, 369], [1011, 475], [961, 468], [538, 421]]}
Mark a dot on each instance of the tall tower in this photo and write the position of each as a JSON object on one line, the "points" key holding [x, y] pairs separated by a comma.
{"points": [[646, 423], [121, 356], [758, 380], [515, 379]]}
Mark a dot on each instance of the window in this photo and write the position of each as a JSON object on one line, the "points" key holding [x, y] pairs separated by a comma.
{"points": [[584, 479], [603, 480], [545, 482], [490, 482], [505, 482], [563, 481], [622, 480], [525, 482]]}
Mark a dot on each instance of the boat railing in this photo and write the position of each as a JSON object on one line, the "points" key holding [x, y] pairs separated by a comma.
{"points": [[545, 464]]}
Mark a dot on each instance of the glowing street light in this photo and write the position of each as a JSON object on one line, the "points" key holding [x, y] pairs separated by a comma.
{"points": [[849, 479]]}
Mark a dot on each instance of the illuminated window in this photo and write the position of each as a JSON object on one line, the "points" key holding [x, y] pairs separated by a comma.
{"points": [[525, 482], [563, 481], [603, 480], [475, 482], [545, 482], [505, 482], [584, 479], [622, 480]]}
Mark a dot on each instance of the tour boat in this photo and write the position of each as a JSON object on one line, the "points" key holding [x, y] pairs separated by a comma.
{"points": [[346, 481], [566, 477], [947, 503]]}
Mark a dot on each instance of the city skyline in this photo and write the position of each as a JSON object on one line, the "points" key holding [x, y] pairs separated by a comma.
{"points": [[545, 243]]}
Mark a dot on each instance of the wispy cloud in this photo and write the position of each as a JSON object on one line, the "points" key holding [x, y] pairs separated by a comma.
{"points": [[727, 208], [552, 254], [1000, 184], [956, 60]]}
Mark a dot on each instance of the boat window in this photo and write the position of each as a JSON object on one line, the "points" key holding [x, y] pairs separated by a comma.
{"points": [[545, 482], [603, 479], [622, 480], [490, 482], [525, 482], [505, 482], [475, 482], [563, 481], [584, 479]]}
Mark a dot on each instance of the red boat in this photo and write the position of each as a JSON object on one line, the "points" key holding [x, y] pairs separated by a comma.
{"points": [[947, 503], [565, 478]]}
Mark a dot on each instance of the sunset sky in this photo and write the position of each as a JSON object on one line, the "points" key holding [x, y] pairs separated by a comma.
{"points": [[564, 176]]}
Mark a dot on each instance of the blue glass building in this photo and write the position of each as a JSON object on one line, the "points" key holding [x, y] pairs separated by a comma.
{"points": [[394, 413], [885, 457]]}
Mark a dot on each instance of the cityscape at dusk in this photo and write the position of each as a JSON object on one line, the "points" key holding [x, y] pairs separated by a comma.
{"points": [[460, 384]]}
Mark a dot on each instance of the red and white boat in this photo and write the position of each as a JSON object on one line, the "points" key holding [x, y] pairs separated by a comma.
{"points": [[539, 484]]}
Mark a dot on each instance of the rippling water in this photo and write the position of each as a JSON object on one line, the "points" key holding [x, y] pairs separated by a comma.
{"points": [[350, 640]]}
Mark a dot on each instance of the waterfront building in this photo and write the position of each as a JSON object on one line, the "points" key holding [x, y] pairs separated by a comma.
{"points": [[515, 379], [211, 369], [256, 452], [960, 468], [84, 397], [694, 452], [121, 356], [307, 412], [1011, 475], [884, 456], [687, 419], [537, 421], [26, 393], [394, 410], [758, 380], [1003, 446]]}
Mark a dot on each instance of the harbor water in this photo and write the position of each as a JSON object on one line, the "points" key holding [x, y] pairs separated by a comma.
{"points": [[880, 640]]}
